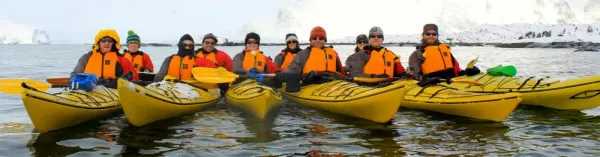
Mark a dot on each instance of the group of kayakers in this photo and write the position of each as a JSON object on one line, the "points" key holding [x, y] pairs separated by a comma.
{"points": [[371, 59]]}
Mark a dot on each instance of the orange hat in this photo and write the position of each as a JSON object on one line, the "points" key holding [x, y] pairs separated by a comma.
{"points": [[318, 32]]}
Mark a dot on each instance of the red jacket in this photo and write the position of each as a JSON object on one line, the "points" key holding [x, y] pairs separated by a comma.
{"points": [[147, 62], [223, 60], [128, 67], [202, 62]]}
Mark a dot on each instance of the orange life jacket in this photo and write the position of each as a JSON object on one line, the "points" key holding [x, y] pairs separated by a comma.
{"points": [[136, 61], [103, 65], [437, 58], [181, 68], [381, 62], [320, 60], [287, 59], [210, 56], [252, 61]]}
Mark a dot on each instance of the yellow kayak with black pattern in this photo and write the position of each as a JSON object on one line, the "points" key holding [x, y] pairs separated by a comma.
{"points": [[378, 104], [162, 100], [50, 112], [576, 94], [253, 97], [448, 100]]}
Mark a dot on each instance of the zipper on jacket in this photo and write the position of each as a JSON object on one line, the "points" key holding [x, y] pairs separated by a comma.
{"points": [[102, 66]]}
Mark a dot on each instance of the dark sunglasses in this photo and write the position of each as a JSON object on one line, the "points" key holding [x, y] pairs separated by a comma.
{"points": [[376, 36], [109, 40], [251, 42], [209, 43], [362, 42], [430, 34], [289, 42], [318, 38], [187, 45]]}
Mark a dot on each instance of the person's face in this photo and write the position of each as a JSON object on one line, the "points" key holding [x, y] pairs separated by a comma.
{"points": [[376, 40], [188, 44], [317, 42], [361, 44], [430, 36], [106, 44], [292, 44], [209, 44], [133, 47], [252, 44]]}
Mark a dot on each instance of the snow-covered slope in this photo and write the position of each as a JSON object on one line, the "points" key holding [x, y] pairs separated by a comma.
{"points": [[16, 33], [461, 19]]}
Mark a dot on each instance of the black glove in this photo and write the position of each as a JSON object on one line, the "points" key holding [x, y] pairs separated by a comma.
{"points": [[472, 71], [275, 82], [381, 76], [313, 76], [223, 87], [110, 83], [431, 81], [128, 76]]}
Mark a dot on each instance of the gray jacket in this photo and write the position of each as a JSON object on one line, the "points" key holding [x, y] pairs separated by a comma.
{"points": [[238, 61], [80, 67], [414, 64], [300, 59], [279, 60], [356, 62], [164, 69]]}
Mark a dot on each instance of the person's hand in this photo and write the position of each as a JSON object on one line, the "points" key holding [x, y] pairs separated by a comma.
{"points": [[382, 76], [472, 71], [432, 81]]}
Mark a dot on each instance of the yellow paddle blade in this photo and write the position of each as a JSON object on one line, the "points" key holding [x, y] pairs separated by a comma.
{"points": [[58, 81], [472, 63], [370, 80], [212, 75], [13, 86]]}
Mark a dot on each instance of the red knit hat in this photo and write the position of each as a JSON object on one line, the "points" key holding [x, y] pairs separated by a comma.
{"points": [[318, 32]]}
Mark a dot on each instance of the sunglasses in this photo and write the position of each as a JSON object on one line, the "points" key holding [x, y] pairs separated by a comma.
{"points": [[362, 42], [376, 36], [107, 40], [252, 42], [318, 38], [289, 42], [430, 34], [188, 45], [209, 43]]}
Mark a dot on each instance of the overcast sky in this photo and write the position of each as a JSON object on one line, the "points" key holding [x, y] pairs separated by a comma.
{"points": [[154, 20]]}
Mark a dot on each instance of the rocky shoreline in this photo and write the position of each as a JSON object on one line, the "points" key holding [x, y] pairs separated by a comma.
{"points": [[579, 46]]}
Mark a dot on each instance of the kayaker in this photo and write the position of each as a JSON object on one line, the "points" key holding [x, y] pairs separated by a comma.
{"points": [[251, 59], [208, 51], [433, 59], [361, 42], [180, 65], [375, 60], [283, 59], [104, 60], [141, 61]]}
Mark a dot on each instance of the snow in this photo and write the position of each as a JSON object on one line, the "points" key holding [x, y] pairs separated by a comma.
{"points": [[16, 33], [464, 20]]}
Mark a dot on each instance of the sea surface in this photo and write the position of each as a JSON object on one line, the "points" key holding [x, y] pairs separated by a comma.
{"points": [[299, 131]]}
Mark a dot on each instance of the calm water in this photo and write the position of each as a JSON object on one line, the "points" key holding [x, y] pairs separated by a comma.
{"points": [[298, 131]]}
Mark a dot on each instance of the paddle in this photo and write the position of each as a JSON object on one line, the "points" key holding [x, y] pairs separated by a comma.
{"points": [[13, 86], [58, 81], [375, 80], [219, 75]]}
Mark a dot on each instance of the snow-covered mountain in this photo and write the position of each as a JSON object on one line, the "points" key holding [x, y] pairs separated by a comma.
{"points": [[16, 33], [462, 19]]}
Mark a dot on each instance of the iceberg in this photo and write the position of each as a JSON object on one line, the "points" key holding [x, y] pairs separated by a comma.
{"points": [[17, 33]]}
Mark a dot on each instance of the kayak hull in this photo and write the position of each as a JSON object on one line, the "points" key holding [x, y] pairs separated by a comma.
{"points": [[50, 112], [163, 100], [378, 104], [447, 100], [254, 98], [573, 94]]}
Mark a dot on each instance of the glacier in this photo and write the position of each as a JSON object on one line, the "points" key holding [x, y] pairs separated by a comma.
{"points": [[17, 33], [402, 21]]}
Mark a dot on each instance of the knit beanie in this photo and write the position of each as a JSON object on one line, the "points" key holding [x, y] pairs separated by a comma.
{"points": [[318, 32], [132, 37], [362, 37], [290, 37], [254, 36], [376, 30]]}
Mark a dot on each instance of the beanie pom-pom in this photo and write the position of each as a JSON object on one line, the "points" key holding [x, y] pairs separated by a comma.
{"points": [[130, 32]]}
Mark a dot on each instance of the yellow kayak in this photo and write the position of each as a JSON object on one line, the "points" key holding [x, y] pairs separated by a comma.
{"points": [[578, 94], [50, 112], [161, 100], [443, 99], [378, 104], [253, 97]]}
